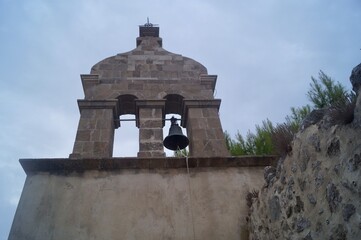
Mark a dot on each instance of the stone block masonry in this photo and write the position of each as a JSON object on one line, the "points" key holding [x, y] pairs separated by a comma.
{"points": [[95, 133], [149, 82], [150, 122]]}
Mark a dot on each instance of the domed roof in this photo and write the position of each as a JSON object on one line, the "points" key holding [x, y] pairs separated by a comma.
{"points": [[149, 61]]}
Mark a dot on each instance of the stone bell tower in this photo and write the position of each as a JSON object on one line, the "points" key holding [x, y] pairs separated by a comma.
{"points": [[92, 195], [148, 82]]}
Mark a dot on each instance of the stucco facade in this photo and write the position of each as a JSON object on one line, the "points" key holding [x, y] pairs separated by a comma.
{"points": [[149, 198]]}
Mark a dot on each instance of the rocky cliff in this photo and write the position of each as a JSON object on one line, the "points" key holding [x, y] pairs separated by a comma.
{"points": [[315, 191]]}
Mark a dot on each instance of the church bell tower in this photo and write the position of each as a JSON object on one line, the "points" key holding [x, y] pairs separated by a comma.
{"points": [[148, 82], [93, 195]]}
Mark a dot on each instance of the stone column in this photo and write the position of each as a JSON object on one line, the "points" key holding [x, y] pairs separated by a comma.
{"points": [[204, 130], [95, 135], [150, 116]]}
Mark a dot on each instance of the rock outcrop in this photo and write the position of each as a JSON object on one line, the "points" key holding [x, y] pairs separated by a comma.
{"points": [[315, 191], [355, 79]]}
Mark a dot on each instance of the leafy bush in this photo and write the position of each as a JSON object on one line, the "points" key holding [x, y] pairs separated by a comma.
{"points": [[282, 137], [181, 153], [325, 92], [258, 143], [250, 196], [343, 114], [267, 139]]}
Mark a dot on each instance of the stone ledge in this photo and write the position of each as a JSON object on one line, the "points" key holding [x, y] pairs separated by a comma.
{"points": [[204, 103], [66, 165]]}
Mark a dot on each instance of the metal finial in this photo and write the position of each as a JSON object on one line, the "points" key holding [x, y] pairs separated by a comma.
{"points": [[148, 24]]}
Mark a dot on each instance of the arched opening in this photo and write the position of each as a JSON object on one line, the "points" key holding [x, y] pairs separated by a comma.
{"points": [[173, 104], [126, 104], [126, 137], [126, 140], [173, 107], [170, 153]]}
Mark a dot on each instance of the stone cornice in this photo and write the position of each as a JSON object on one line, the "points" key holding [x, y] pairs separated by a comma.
{"points": [[88, 81], [67, 166], [149, 104], [101, 104], [211, 103], [209, 81]]}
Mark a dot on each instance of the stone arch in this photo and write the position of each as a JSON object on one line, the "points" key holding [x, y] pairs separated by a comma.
{"points": [[173, 103], [126, 104], [117, 94]]}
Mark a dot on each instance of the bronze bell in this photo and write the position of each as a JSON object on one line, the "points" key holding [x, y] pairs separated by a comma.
{"points": [[175, 139]]}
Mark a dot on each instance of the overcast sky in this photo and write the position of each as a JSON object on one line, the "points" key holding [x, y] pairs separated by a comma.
{"points": [[264, 53]]}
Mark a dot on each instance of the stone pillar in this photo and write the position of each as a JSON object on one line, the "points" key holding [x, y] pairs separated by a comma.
{"points": [[95, 135], [204, 130], [150, 116]]}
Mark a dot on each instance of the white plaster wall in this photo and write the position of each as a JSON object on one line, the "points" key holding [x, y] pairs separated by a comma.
{"points": [[136, 204]]}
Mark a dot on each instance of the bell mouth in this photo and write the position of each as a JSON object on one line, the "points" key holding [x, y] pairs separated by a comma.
{"points": [[175, 139], [176, 142]]}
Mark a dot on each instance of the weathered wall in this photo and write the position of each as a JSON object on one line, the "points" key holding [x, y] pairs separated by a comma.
{"points": [[135, 203], [315, 192]]}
